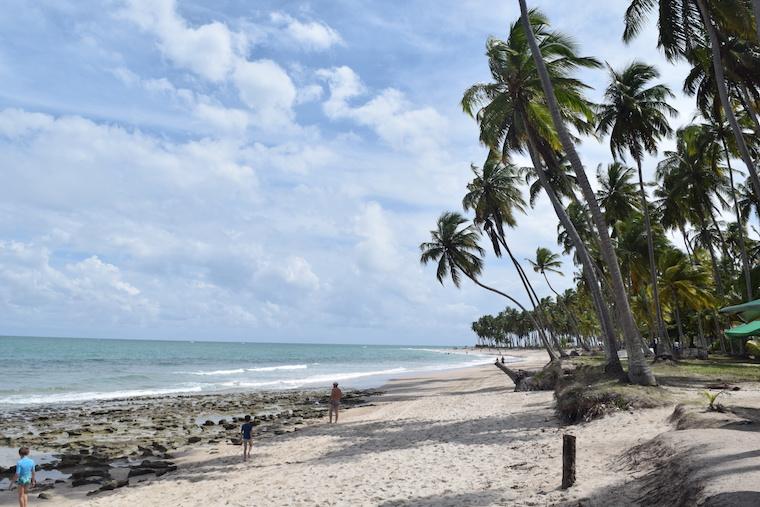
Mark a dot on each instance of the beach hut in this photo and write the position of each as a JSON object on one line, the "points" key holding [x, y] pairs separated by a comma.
{"points": [[749, 314]]}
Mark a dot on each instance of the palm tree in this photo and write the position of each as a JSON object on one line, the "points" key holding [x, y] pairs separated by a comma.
{"points": [[639, 371], [548, 262], [617, 194], [457, 252], [682, 25], [684, 285], [635, 116], [494, 195], [513, 116]]}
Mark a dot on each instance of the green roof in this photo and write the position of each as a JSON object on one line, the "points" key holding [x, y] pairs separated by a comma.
{"points": [[747, 311], [749, 329]]}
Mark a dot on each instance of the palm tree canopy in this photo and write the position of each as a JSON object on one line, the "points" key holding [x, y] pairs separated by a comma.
{"points": [[617, 194], [494, 195], [454, 247], [513, 101], [546, 261], [680, 24], [635, 114]]}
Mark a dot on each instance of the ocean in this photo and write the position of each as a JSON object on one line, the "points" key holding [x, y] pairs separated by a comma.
{"points": [[66, 370]]}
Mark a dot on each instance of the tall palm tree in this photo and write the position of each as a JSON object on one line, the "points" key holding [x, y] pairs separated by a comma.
{"points": [[617, 194], [714, 136], [494, 195], [457, 252], [634, 114], [639, 371], [513, 116], [683, 25]]}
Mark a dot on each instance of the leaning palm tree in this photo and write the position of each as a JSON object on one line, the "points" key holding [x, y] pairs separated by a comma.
{"points": [[683, 24], [494, 195], [548, 262], [513, 116], [634, 114], [639, 371], [457, 252]]}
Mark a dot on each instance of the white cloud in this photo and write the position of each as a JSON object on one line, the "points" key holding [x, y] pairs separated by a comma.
{"points": [[311, 35], [389, 114], [207, 50], [377, 248], [216, 53], [267, 89]]}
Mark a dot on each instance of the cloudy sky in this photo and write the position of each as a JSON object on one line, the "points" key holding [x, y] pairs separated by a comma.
{"points": [[253, 170]]}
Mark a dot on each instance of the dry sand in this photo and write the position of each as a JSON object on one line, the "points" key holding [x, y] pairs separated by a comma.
{"points": [[456, 438]]}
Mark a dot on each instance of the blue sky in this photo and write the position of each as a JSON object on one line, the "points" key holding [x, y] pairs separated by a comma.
{"points": [[254, 170]]}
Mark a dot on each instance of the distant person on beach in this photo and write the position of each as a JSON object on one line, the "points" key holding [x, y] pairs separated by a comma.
{"points": [[245, 431], [335, 395], [502, 359], [24, 476]]}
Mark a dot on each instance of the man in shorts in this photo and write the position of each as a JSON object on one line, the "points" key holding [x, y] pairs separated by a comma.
{"points": [[335, 396], [24, 476], [245, 431]]}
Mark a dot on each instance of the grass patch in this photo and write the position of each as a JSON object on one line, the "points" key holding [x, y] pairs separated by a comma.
{"points": [[716, 368], [587, 393]]}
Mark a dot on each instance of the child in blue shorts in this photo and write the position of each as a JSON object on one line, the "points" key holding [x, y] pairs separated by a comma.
{"points": [[24, 476]]}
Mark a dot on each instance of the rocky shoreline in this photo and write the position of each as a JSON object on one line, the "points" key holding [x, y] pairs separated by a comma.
{"points": [[106, 445]]}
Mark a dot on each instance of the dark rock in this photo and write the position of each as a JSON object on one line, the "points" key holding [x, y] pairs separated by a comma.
{"points": [[193, 440], [208, 423], [134, 472], [86, 480], [229, 426], [45, 496]]}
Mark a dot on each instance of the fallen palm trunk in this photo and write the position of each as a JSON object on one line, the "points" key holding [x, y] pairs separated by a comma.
{"points": [[542, 380]]}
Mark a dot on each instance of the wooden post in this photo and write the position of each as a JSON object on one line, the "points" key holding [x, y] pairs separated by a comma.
{"points": [[568, 460]]}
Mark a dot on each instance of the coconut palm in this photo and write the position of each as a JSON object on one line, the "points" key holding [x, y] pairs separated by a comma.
{"points": [[494, 195], [639, 371], [684, 24], [513, 116], [548, 262], [634, 114], [617, 193], [457, 252], [685, 285]]}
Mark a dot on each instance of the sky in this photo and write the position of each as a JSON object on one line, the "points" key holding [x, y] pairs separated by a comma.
{"points": [[265, 171]]}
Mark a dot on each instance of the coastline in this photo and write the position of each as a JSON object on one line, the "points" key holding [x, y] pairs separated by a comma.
{"points": [[448, 438]]}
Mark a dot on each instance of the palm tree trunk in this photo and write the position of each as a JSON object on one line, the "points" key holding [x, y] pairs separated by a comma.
{"points": [[742, 245], [613, 365], [756, 8], [678, 319], [552, 355], [720, 82], [573, 322], [749, 107], [662, 332], [543, 319], [639, 371]]}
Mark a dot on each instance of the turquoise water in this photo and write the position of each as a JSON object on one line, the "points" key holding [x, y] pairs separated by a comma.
{"points": [[60, 370]]}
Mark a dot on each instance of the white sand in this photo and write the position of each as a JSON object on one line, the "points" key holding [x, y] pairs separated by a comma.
{"points": [[459, 438]]}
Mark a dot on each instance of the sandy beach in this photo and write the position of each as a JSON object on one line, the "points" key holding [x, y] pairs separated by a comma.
{"points": [[453, 438]]}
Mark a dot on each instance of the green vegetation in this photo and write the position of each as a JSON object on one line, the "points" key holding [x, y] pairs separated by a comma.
{"points": [[634, 283]]}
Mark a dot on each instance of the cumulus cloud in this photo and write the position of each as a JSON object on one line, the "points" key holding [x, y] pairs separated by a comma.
{"points": [[394, 119], [207, 50], [215, 52], [311, 35]]}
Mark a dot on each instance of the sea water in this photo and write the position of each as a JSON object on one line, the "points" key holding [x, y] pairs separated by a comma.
{"points": [[65, 370]]}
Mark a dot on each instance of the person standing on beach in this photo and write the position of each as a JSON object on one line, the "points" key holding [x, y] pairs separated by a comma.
{"points": [[245, 431], [24, 476], [335, 395]]}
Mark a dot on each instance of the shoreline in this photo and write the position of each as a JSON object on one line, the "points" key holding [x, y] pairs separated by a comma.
{"points": [[97, 445]]}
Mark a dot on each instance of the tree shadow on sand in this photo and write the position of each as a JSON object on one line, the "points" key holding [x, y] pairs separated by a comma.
{"points": [[473, 499]]}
